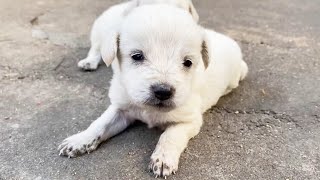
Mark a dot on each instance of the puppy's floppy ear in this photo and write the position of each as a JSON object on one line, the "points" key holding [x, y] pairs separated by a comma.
{"points": [[110, 47], [205, 50], [193, 11], [205, 54]]}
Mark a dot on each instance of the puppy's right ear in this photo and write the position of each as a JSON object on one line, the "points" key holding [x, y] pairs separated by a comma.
{"points": [[110, 47]]}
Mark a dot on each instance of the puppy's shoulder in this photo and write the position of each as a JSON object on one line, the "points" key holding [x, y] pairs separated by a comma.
{"points": [[217, 39]]}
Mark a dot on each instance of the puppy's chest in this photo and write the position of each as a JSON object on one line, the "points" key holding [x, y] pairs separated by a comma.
{"points": [[150, 117]]}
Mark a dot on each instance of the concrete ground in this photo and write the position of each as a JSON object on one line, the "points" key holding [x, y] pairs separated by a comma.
{"points": [[268, 128]]}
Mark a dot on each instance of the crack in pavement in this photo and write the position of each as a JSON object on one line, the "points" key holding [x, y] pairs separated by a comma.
{"points": [[261, 42], [35, 20], [283, 117]]}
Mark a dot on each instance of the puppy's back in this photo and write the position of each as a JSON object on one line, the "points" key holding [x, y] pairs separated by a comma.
{"points": [[225, 70]]}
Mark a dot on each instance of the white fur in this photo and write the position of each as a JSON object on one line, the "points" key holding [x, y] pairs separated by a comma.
{"points": [[108, 24], [166, 36]]}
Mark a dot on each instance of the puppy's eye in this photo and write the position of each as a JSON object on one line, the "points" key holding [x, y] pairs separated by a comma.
{"points": [[137, 56], [187, 63]]}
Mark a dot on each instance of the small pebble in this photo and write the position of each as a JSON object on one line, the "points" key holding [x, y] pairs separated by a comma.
{"points": [[21, 77]]}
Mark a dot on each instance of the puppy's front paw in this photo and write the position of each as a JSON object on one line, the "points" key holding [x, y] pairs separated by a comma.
{"points": [[88, 64], [164, 162], [78, 144]]}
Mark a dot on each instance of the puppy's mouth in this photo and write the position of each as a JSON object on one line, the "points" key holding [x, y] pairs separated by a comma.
{"points": [[164, 106]]}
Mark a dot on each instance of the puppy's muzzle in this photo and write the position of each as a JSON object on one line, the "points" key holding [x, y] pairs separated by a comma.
{"points": [[161, 97], [163, 91]]}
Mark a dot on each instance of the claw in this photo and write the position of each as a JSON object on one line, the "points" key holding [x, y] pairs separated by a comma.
{"points": [[69, 156], [165, 177], [174, 172], [156, 176]]}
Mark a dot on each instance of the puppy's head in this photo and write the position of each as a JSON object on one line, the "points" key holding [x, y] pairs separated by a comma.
{"points": [[160, 51], [109, 41], [184, 4]]}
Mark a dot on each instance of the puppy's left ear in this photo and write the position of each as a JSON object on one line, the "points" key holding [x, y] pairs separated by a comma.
{"points": [[110, 47], [205, 53], [193, 11]]}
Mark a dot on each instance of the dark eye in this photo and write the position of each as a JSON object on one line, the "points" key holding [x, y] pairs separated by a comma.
{"points": [[187, 63], [137, 56]]}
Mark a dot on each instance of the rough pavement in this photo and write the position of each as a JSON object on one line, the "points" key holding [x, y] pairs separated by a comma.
{"points": [[268, 128]]}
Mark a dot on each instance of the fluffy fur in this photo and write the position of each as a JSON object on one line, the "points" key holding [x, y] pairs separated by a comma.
{"points": [[168, 37], [109, 23]]}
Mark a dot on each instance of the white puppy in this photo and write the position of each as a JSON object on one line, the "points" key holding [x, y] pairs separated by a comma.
{"points": [[167, 72], [109, 23]]}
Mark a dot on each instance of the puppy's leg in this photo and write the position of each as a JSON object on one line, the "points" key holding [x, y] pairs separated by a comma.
{"points": [[110, 123], [93, 59], [165, 158], [103, 29], [243, 71]]}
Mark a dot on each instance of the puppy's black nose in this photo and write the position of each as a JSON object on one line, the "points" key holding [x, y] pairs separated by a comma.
{"points": [[163, 91]]}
